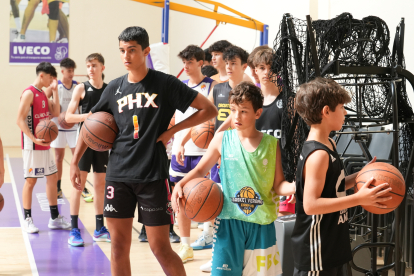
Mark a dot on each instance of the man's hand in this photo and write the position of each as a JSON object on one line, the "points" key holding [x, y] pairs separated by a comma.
{"points": [[75, 177], [176, 196], [165, 137], [180, 155], [41, 142]]}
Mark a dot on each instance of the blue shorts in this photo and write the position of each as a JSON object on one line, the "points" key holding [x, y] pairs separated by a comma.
{"points": [[245, 248], [215, 174], [177, 172]]}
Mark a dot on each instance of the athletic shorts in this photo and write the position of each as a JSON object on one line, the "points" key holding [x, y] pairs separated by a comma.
{"points": [[63, 138], [215, 174], [97, 159], [284, 206], [245, 248], [153, 200], [177, 172], [341, 270], [38, 163]]}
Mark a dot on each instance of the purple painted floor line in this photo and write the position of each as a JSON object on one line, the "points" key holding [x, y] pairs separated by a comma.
{"points": [[8, 216], [53, 255]]}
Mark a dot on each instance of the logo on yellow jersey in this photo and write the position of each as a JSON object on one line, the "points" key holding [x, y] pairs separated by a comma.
{"points": [[247, 200]]}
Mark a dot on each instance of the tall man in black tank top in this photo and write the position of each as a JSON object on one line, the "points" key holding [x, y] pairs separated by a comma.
{"points": [[143, 103], [85, 96], [320, 238]]}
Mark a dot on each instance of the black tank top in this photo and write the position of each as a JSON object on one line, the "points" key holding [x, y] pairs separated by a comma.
{"points": [[221, 94], [92, 96], [321, 242]]}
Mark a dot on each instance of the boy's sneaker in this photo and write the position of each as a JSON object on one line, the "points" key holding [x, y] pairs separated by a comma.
{"points": [[86, 193], [206, 267], [186, 253], [59, 223], [60, 194], [75, 238], [203, 242], [174, 238], [102, 235], [29, 226], [143, 235], [88, 199]]}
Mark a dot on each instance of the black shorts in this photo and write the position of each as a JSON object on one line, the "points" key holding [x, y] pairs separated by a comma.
{"points": [[341, 270], [97, 159], [153, 200]]}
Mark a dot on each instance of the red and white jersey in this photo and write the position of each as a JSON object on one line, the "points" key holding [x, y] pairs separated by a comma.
{"points": [[39, 110]]}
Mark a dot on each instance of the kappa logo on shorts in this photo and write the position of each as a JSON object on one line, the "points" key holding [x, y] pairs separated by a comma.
{"points": [[39, 171], [110, 208], [247, 200], [151, 209]]}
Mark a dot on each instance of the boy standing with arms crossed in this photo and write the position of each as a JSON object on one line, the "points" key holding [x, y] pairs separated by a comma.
{"points": [[245, 237], [321, 226]]}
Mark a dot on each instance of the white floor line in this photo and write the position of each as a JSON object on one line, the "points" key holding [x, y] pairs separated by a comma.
{"points": [[19, 212]]}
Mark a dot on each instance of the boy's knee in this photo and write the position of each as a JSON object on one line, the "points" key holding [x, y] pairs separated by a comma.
{"points": [[160, 250], [119, 250], [31, 182]]}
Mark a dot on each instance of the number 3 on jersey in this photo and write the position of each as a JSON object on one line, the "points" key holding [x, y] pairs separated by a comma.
{"points": [[136, 126]]}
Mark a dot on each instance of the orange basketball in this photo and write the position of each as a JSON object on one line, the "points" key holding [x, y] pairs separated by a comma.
{"points": [[203, 134], [383, 173], [46, 130], [99, 131], [202, 200], [172, 122], [62, 122]]}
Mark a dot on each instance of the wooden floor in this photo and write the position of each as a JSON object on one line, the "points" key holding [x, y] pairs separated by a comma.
{"points": [[14, 258]]}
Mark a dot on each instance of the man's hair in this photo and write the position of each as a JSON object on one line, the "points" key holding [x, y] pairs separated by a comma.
{"points": [[47, 68], [208, 70], [219, 46], [192, 51], [68, 63], [137, 34], [96, 56], [247, 91], [263, 56], [314, 95], [233, 52], [207, 55], [255, 50]]}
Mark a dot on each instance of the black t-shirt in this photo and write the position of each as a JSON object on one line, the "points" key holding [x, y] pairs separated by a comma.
{"points": [[321, 242], [142, 113], [270, 122], [221, 94]]}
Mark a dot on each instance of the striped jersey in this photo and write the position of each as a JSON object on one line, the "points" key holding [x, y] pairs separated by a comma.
{"points": [[65, 96], [321, 242], [247, 179], [191, 149], [39, 110]]}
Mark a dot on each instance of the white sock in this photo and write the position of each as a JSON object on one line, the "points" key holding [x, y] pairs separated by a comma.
{"points": [[185, 240], [18, 24], [207, 229]]}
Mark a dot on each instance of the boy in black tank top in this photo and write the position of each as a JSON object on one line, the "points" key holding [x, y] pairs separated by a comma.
{"points": [[320, 238], [85, 96]]}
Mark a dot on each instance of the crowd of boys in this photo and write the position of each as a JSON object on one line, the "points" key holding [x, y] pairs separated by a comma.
{"points": [[244, 157]]}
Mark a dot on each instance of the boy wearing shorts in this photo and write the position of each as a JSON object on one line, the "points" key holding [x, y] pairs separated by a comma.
{"points": [[37, 156], [320, 238], [252, 180]]}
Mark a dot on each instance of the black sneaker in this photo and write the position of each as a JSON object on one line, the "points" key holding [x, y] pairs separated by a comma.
{"points": [[174, 238], [143, 235]]}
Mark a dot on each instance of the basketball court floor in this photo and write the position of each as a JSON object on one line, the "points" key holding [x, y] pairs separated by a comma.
{"points": [[47, 253]]}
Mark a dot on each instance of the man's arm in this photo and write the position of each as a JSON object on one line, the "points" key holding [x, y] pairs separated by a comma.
{"points": [[180, 154], [75, 176], [206, 111], [316, 167], [24, 107], [78, 94], [280, 185], [206, 163], [1, 164], [54, 104]]}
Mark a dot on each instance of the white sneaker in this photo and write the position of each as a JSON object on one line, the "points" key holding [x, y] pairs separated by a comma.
{"points": [[29, 226], [203, 242], [59, 223], [206, 267], [20, 38], [186, 253]]}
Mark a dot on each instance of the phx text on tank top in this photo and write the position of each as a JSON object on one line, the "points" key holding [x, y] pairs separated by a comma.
{"points": [[321, 242], [247, 179], [39, 110], [221, 94]]}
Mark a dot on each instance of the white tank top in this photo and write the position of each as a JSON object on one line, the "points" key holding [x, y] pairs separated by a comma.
{"points": [[65, 96], [191, 149]]}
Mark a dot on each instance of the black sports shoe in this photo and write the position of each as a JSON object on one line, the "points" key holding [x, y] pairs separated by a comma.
{"points": [[174, 238], [143, 235]]}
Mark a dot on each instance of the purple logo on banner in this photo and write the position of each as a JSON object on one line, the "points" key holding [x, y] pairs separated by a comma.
{"points": [[36, 52]]}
